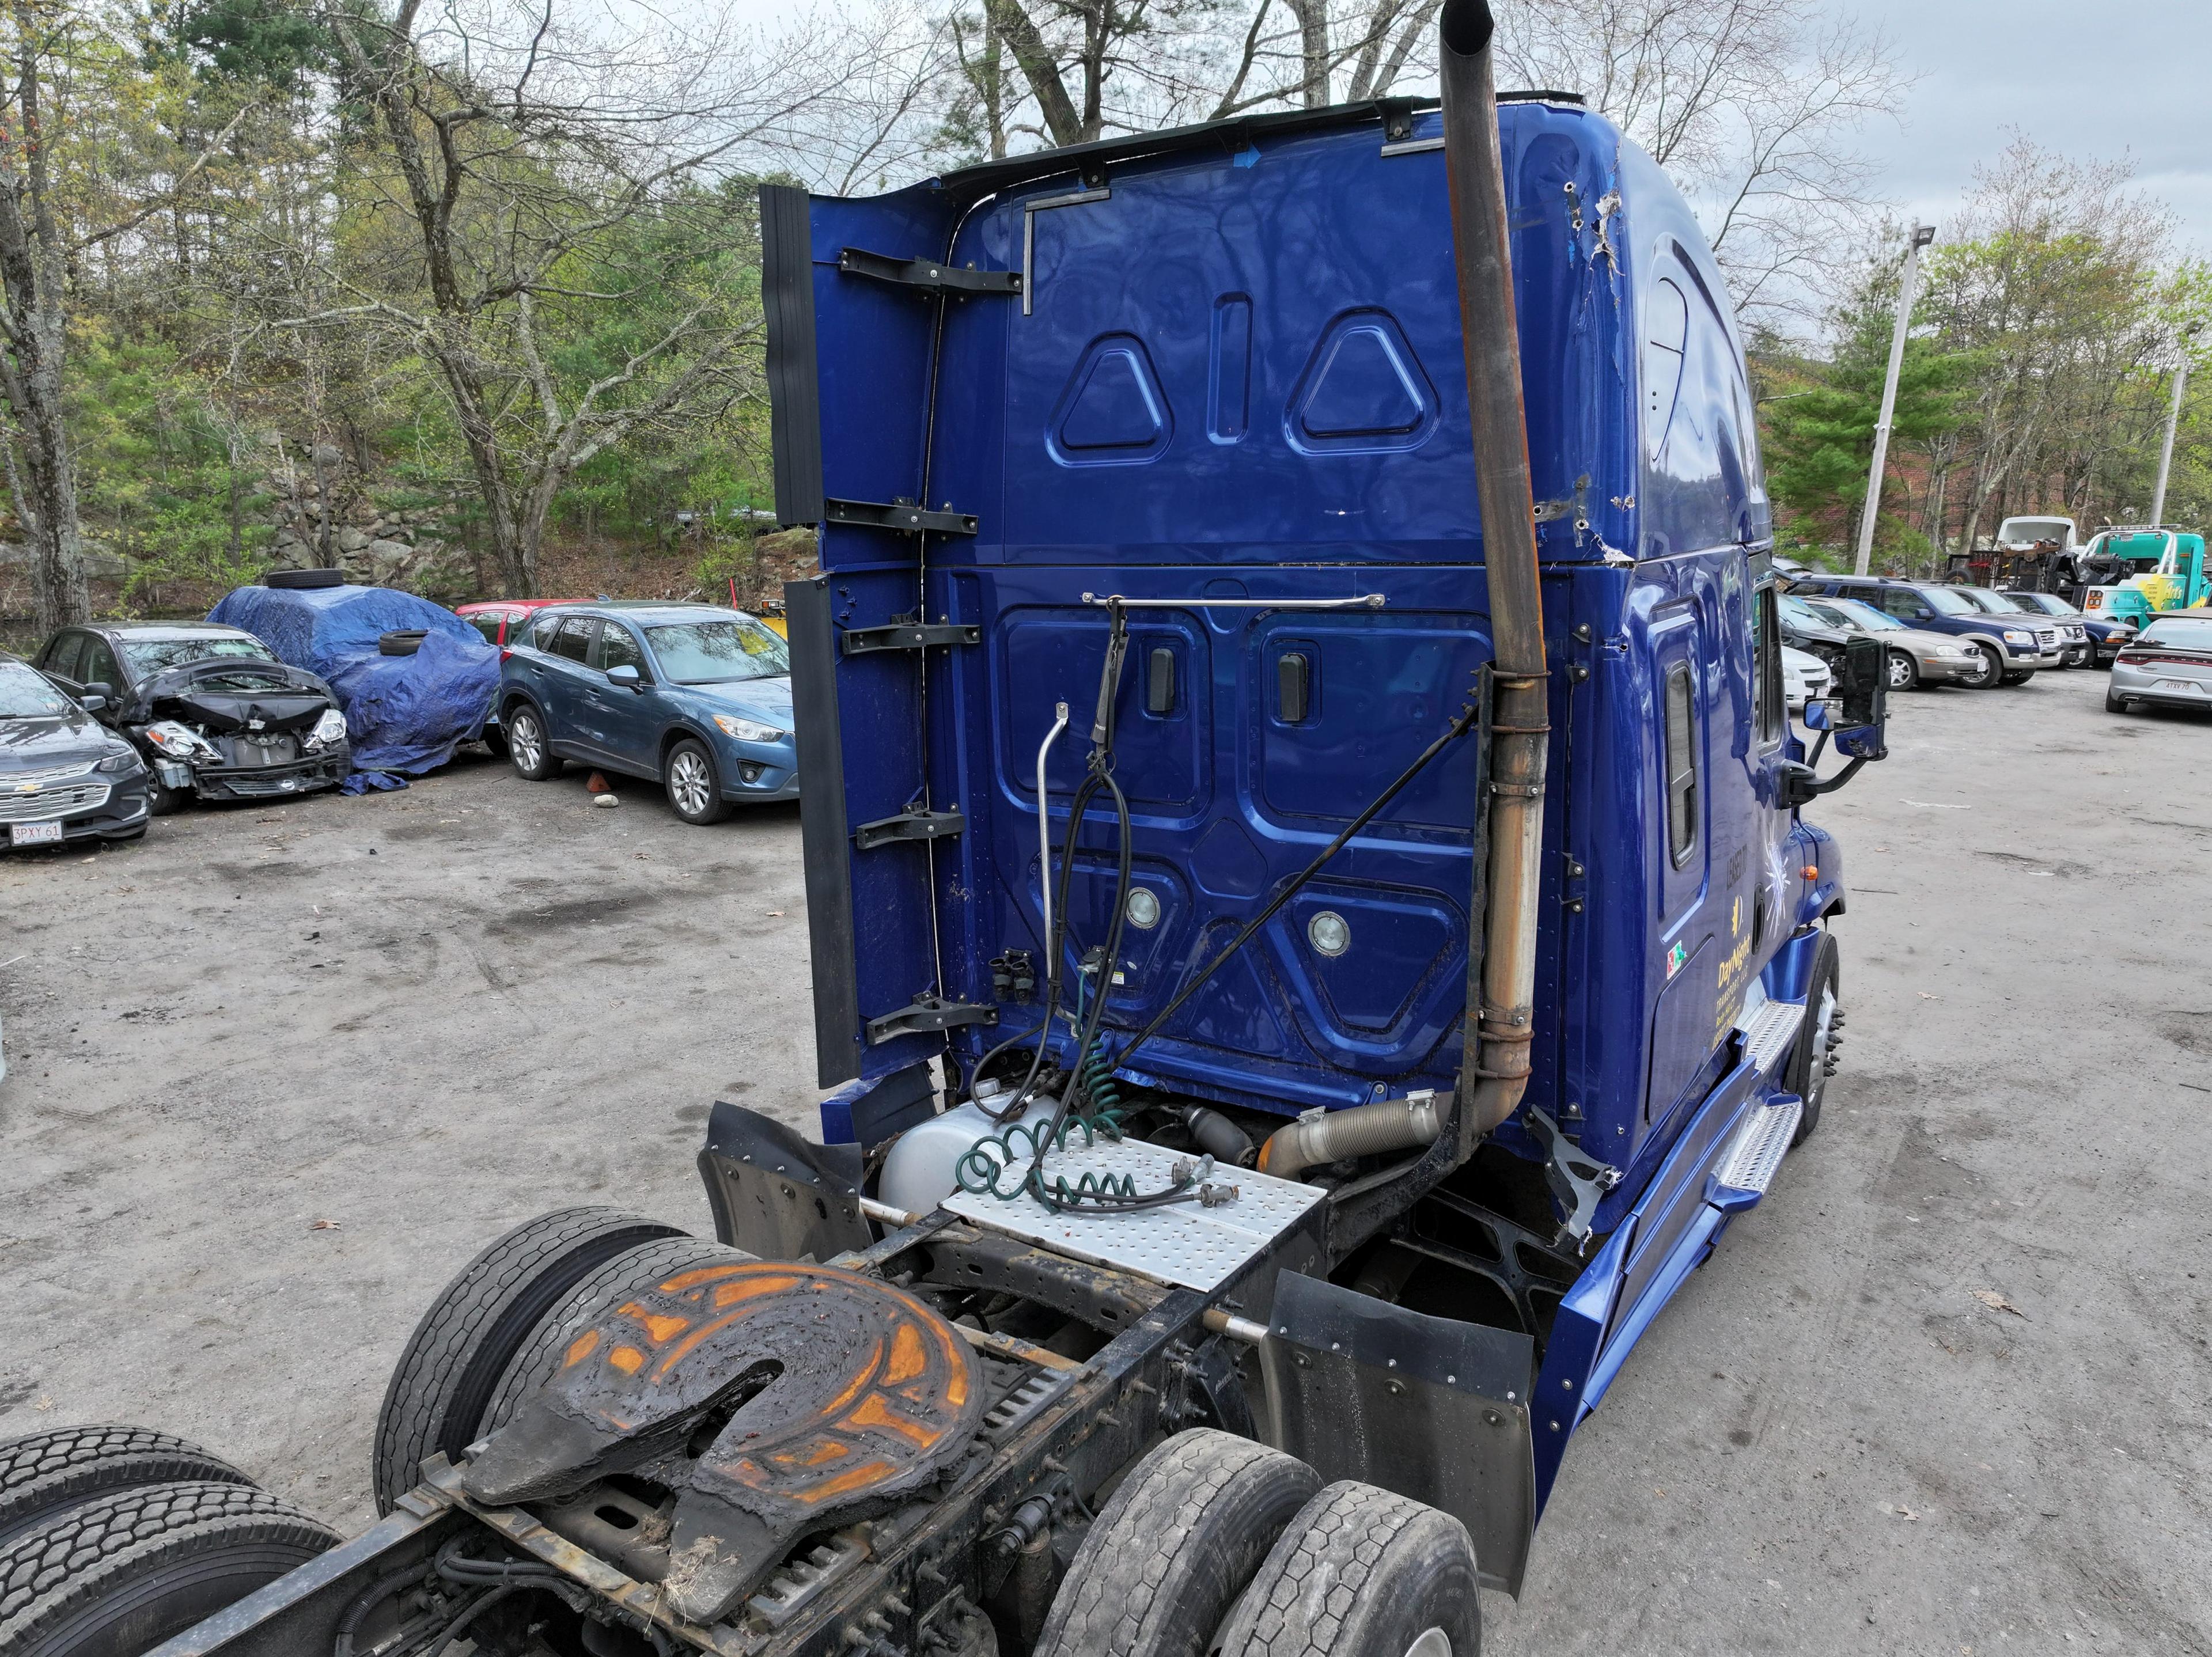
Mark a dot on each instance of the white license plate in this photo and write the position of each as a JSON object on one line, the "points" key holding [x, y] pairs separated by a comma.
{"points": [[34, 834], [2188, 687]]}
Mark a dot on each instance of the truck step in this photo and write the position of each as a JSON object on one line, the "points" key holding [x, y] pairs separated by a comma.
{"points": [[1768, 1031], [1760, 1143]]}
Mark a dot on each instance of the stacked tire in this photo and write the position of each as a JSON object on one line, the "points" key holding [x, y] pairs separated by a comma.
{"points": [[114, 1538]]}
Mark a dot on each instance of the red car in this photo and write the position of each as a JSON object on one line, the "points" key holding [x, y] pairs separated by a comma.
{"points": [[501, 619]]}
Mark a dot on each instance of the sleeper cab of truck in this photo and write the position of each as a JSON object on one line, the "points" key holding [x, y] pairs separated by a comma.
{"points": [[1218, 373], [1192, 404]]}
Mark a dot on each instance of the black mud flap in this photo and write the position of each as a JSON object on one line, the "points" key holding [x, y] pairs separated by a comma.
{"points": [[1431, 1408], [775, 1195]]}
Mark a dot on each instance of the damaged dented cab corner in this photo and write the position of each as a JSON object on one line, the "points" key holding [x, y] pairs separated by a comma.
{"points": [[212, 713], [1315, 933]]}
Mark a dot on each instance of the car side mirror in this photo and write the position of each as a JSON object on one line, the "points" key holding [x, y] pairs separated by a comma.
{"points": [[101, 689], [91, 702], [1815, 715], [626, 675]]}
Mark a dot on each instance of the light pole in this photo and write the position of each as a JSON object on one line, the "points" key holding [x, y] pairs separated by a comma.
{"points": [[2172, 419], [1906, 287]]}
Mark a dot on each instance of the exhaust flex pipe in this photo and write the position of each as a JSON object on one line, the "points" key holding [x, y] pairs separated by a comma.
{"points": [[1362, 1131], [1502, 974]]}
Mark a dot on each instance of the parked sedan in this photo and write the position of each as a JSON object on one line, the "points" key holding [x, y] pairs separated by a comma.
{"points": [[690, 696], [61, 776], [2169, 665], [2106, 637], [1915, 657], [502, 620], [1805, 677], [212, 713]]}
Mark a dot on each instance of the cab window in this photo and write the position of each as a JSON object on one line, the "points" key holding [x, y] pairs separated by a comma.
{"points": [[1767, 666], [98, 666], [1682, 764]]}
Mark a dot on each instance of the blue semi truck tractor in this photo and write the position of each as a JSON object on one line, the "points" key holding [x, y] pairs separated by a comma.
{"points": [[1314, 939]]}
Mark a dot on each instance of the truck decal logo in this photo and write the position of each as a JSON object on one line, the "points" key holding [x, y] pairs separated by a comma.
{"points": [[1676, 957]]}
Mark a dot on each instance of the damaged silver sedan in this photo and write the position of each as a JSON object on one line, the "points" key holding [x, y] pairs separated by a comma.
{"points": [[213, 713]]}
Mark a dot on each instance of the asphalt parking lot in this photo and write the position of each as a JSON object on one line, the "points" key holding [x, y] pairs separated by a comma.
{"points": [[275, 1073]]}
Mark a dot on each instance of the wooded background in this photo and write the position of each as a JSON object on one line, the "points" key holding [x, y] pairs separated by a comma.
{"points": [[466, 298]]}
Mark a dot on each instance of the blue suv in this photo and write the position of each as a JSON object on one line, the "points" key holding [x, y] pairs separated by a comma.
{"points": [[694, 698], [2012, 648]]}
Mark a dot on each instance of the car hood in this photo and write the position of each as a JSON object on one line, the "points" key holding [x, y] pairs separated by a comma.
{"points": [[228, 696], [767, 701], [40, 744]]}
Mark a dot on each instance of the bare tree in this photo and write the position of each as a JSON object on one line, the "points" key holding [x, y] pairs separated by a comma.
{"points": [[538, 183], [1750, 104], [70, 75], [2050, 276], [1088, 69]]}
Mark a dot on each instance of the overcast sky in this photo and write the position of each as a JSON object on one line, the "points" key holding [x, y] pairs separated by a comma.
{"points": [[2100, 80], [2093, 79]]}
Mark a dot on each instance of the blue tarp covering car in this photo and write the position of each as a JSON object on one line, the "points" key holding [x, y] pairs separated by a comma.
{"points": [[404, 713]]}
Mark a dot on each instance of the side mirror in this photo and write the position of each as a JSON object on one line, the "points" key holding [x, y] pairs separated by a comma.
{"points": [[91, 703], [627, 675], [1864, 688], [1815, 715], [100, 689]]}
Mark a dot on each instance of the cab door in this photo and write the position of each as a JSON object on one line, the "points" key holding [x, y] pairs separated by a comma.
{"points": [[1682, 1015]]}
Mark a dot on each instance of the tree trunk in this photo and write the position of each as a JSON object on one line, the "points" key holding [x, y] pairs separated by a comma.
{"points": [[1313, 39]]}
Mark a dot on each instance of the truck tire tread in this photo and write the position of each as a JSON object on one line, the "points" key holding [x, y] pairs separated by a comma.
{"points": [[454, 1361], [127, 1570], [1174, 1547], [48, 1472], [1360, 1572]]}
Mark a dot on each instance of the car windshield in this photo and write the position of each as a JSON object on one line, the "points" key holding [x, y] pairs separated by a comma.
{"points": [[1857, 612], [1997, 603], [2185, 632], [2046, 604], [710, 652], [25, 694], [1949, 601], [1804, 614], [147, 656]]}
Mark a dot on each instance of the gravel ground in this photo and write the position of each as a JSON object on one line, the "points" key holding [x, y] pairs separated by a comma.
{"points": [[275, 1073]]}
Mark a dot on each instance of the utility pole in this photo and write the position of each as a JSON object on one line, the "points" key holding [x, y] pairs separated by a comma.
{"points": [[2172, 419], [1907, 287]]}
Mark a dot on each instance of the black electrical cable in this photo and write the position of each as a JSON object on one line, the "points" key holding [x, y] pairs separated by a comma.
{"points": [[1458, 728]]}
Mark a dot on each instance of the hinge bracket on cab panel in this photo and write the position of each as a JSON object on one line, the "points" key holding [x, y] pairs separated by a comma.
{"points": [[912, 824], [904, 516], [907, 636], [929, 276], [929, 1012]]}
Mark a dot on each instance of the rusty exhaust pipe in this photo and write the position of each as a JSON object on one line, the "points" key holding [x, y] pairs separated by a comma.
{"points": [[1502, 974]]}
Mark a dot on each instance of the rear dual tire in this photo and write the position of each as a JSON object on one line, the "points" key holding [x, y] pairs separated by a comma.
{"points": [[1214, 1543], [112, 1540]]}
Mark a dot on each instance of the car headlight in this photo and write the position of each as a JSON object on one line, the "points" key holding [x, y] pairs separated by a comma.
{"points": [[123, 759], [747, 729], [2014, 636], [1949, 650], [178, 742], [331, 728]]}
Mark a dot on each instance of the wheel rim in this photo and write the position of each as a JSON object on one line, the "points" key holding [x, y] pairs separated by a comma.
{"points": [[1901, 672], [522, 738], [1989, 670], [1816, 1073], [688, 781], [1433, 1642]]}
